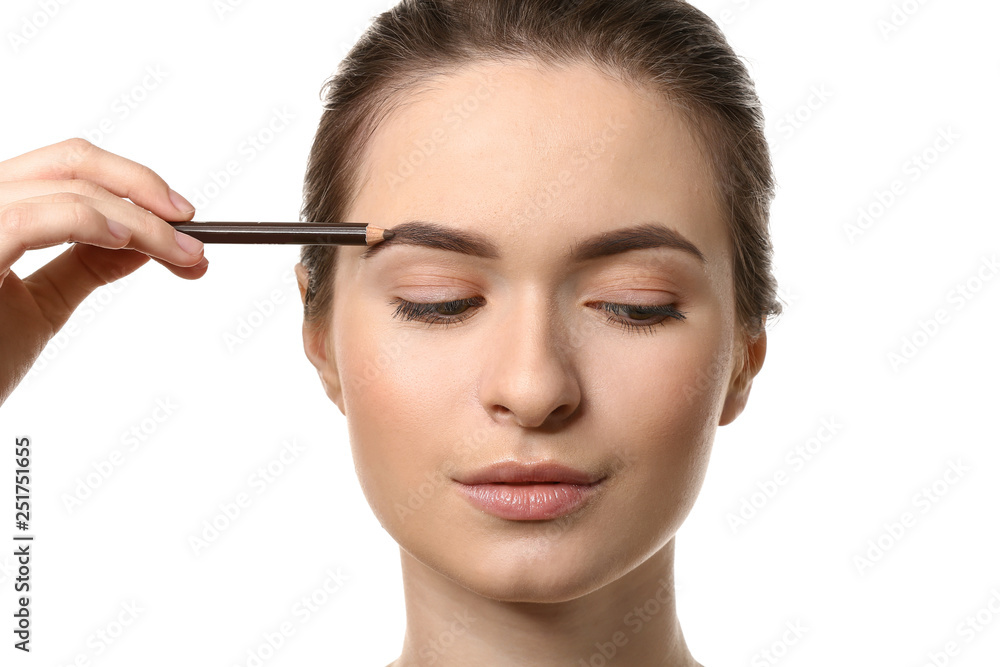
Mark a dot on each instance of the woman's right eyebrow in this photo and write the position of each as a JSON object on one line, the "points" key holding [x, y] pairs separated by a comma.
{"points": [[441, 237], [604, 244]]}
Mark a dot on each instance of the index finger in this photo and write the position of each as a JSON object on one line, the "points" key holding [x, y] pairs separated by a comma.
{"points": [[80, 159]]}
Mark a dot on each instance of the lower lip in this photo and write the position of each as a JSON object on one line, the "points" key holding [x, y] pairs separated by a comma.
{"points": [[528, 502]]}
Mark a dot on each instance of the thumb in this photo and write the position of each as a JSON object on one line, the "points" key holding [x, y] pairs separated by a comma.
{"points": [[62, 284]]}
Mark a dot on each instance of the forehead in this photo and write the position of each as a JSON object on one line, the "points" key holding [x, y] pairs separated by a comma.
{"points": [[521, 150]]}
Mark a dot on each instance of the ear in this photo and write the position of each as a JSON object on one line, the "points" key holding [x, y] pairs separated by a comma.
{"points": [[752, 352], [314, 339]]}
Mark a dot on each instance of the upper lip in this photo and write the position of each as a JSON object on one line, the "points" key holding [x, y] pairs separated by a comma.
{"points": [[514, 472]]}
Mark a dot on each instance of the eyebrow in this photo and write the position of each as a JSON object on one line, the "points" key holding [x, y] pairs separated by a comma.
{"points": [[441, 237]]}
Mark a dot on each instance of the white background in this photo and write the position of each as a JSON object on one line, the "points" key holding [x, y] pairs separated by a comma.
{"points": [[863, 103]]}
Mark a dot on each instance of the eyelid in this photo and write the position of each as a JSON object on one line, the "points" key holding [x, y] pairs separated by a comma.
{"points": [[638, 297], [435, 280], [430, 294], [424, 312]]}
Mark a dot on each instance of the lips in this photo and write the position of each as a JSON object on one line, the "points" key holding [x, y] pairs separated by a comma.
{"points": [[516, 472], [529, 491]]}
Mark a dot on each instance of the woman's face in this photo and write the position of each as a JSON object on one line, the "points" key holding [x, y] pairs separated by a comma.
{"points": [[536, 173]]}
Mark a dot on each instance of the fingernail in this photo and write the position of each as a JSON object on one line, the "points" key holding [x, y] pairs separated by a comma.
{"points": [[188, 244], [118, 230], [181, 204], [202, 264]]}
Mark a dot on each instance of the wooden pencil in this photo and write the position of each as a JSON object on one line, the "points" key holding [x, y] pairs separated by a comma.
{"points": [[302, 233]]}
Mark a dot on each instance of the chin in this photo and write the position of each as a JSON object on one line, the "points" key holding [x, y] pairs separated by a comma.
{"points": [[535, 585], [534, 568]]}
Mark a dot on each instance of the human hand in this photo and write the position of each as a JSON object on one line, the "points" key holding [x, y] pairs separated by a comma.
{"points": [[74, 191]]}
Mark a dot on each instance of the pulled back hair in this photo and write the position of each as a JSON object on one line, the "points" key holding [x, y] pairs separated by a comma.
{"points": [[666, 46]]}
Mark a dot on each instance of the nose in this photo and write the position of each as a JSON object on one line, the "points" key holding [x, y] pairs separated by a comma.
{"points": [[530, 377]]}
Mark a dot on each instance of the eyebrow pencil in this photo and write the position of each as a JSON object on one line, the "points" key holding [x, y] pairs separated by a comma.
{"points": [[304, 233]]}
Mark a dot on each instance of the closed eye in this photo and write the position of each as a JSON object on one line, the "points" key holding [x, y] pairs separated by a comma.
{"points": [[634, 318]]}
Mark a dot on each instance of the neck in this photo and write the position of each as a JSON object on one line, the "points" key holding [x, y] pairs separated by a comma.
{"points": [[630, 621]]}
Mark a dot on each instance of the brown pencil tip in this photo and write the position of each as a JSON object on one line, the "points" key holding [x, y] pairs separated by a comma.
{"points": [[375, 234]]}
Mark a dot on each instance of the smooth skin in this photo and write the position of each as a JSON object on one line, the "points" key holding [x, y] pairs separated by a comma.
{"points": [[535, 370], [76, 192], [536, 373]]}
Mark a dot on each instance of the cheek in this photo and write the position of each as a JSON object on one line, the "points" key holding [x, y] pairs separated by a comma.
{"points": [[662, 408], [398, 404], [672, 382]]}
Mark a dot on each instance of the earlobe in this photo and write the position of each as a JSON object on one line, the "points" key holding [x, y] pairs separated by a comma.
{"points": [[314, 340], [739, 386]]}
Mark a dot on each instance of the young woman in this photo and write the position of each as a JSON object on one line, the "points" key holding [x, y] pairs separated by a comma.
{"points": [[533, 368]]}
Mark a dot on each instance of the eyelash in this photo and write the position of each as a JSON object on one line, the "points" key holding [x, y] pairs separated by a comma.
{"points": [[425, 312]]}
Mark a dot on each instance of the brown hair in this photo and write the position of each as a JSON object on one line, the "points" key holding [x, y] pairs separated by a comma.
{"points": [[667, 46]]}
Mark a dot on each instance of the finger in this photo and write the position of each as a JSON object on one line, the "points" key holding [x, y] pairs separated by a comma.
{"points": [[79, 159], [24, 226], [186, 272], [63, 284], [147, 232], [60, 286], [13, 191]]}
